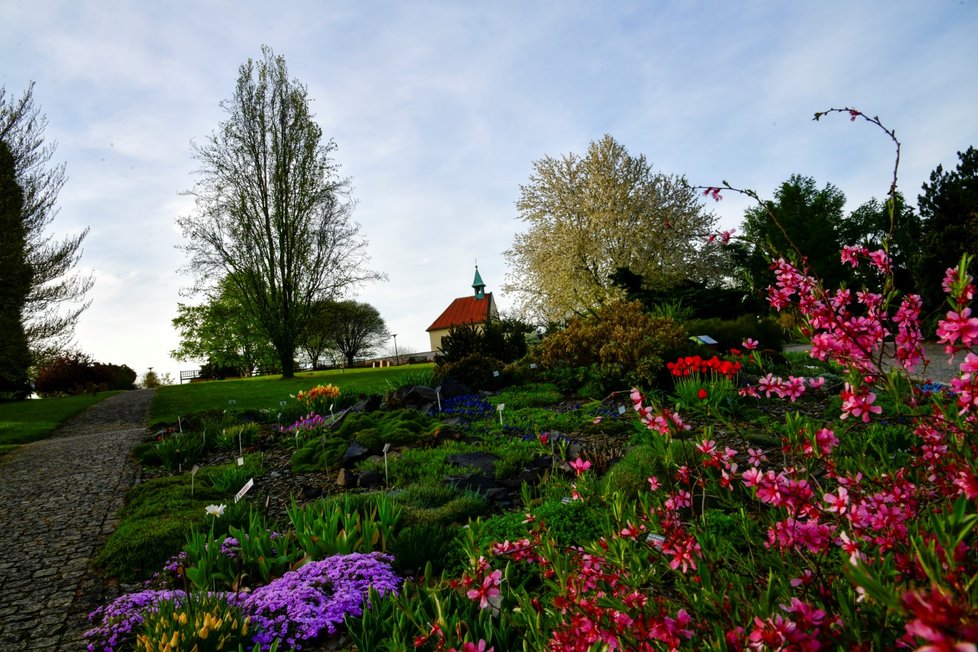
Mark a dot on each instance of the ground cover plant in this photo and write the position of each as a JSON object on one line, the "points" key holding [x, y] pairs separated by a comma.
{"points": [[22, 422]]}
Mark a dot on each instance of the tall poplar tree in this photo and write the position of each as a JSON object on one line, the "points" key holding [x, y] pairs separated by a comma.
{"points": [[272, 212]]}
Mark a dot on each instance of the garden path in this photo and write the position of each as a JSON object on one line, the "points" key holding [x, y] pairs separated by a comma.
{"points": [[58, 501]]}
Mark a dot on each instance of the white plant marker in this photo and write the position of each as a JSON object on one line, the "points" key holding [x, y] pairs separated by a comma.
{"points": [[331, 416], [533, 365], [180, 424], [387, 481], [495, 374], [438, 396], [240, 447], [621, 409], [248, 485], [499, 408], [240, 461]]}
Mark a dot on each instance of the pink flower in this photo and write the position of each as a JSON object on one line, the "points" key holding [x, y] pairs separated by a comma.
{"points": [[958, 325], [755, 456], [580, 466], [858, 405], [654, 483], [838, 503], [488, 593], [750, 344], [473, 647]]}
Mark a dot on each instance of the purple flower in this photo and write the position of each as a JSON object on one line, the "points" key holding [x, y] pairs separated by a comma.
{"points": [[230, 547], [115, 622], [304, 604]]}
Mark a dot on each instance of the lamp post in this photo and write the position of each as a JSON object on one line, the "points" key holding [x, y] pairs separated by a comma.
{"points": [[397, 358]]}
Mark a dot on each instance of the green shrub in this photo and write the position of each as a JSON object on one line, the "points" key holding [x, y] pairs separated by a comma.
{"points": [[416, 546], [459, 510], [570, 523], [618, 345], [226, 479], [531, 395], [140, 546], [319, 453], [397, 428], [730, 333], [178, 452], [475, 370], [238, 435], [630, 474]]}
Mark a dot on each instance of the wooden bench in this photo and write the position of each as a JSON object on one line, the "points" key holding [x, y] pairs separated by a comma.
{"points": [[192, 374]]}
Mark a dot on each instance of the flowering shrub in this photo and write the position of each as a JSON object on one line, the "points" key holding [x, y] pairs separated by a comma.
{"points": [[618, 343]]}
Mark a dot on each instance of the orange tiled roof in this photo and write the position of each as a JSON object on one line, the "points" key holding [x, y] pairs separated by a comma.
{"points": [[464, 310]]}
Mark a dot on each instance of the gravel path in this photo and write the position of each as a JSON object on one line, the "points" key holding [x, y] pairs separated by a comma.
{"points": [[58, 500]]}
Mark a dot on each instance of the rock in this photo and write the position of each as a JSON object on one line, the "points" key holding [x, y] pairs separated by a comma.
{"points": [[419, 397], [485, 463], [371, 403], [355, 453], [473, 482], [371, 480], [310, 493], [450, 388], [347, 479]]}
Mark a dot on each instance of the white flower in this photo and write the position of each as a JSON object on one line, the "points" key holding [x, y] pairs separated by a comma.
{"points": [[215, 510]]}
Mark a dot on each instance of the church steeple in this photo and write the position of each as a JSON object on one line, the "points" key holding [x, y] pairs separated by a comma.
{"points": [[478, 285]]}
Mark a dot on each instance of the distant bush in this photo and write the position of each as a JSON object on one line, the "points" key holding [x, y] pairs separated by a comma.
{"points": [[618, 344], [475, 370], [730, 333], [76, 372]]}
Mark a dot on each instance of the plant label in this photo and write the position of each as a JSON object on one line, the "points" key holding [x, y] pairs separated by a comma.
{"points": [[240, 461], [232, 402], [194, 470], [248, 485], [533, 365], [387, 447], [495, 374], [621, 409]]}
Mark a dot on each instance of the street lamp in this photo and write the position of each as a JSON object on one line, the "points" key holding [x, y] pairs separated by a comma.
{"points": [[397, 358]]}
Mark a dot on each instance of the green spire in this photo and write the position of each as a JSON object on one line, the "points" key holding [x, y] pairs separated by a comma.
{"points": [[478, 285]]}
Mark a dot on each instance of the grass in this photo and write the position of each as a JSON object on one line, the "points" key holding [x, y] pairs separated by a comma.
{"points": [[22, 422], [267, 392]]}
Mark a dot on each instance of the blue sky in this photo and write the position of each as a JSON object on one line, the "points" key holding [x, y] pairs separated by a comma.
{"points": [[439, 109]]}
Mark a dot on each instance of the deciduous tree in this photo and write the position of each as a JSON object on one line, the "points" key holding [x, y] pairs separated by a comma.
{"points": [[589, 216], [223, 334], [272, 211], [350, 328], [57, 291]]}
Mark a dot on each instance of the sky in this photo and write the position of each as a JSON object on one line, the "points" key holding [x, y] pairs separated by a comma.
{"points": [[439, 110]]}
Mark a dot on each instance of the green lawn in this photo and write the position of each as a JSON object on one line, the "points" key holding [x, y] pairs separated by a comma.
{"points": [[22, 422], [266, 392]]}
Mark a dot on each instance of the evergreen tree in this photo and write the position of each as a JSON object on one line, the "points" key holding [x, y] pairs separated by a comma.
{"points": [[948, 210], [15, 282], [802, 222]]}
